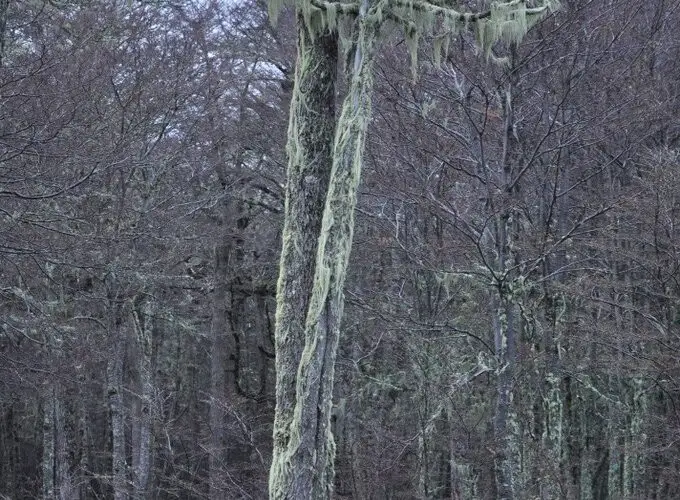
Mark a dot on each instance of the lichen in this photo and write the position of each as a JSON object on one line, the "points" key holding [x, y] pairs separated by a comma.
{"points": [[412, 37], [441, 48], [274, 7]]}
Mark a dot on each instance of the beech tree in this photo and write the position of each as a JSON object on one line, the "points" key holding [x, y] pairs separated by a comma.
{"points": [[310, 289]]}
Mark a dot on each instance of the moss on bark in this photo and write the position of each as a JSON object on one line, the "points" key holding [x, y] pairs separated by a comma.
{"points": [[310, 139]]}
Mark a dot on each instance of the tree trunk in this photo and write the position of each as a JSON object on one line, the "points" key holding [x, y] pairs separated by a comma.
{"points": [[310, 140], [114, 374], [57, 481], [504, 432], [8, 449], [142, 315], [221, 384], [49, 445], [83, 440], [506, 320], [4, 7], [306, 469]]}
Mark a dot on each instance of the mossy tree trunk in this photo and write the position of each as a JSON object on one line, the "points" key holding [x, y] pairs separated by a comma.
{"points": [[310, 293], [303, 468], [310, 142], [322, 330]]}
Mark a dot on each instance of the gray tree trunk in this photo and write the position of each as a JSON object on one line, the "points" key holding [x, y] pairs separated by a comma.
{"points": [[221, 373], [143, 321], [506, 320], [4, 7], [83, 440], [305, 469], [8, 448], [57, 480], [49, 444], [114, 372], [310, 142], [504, 459]]}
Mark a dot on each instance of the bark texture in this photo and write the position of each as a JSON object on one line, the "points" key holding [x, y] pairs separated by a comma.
{"points": [[221, 370], [143, 320], [304, 469], [506, 323], [310, 141], [48, 445], [313, 449], [114, 374]]}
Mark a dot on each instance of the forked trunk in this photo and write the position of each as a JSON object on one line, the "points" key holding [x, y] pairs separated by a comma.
{"points": [[310, 141]]}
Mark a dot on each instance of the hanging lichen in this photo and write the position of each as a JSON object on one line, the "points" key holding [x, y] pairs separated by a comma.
{"points": [[503, 22], [274, 8], [441, 48]]}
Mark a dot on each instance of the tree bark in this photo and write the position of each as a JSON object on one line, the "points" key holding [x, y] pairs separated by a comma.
{"points": [[49, 444], [222, 380], [142, 315], [307, 464], [310, 141], [505, 340], [8, 449], [506, 320], [4, 7], [57, 481], [114, 374]]}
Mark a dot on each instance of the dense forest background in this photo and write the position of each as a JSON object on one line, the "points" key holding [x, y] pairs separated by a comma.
{"points": [[142, 175]]}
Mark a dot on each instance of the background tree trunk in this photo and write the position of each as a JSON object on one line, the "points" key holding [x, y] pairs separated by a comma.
{"points": [[115, 384], [143, 316], [49, 445], [222, 369]]}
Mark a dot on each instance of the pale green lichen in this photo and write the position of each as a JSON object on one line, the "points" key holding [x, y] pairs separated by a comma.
{"points": [[509, 22], [331, 16], [274, 7], [466, 480], [635, 439], [553, 437], [412, 37], [441, 48], [318, 15], [504, 22]]}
